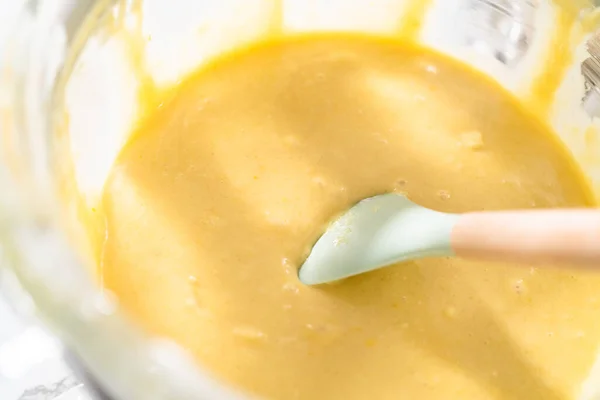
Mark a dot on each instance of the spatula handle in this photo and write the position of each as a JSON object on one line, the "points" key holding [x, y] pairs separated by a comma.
{"points": [[553, 236]]}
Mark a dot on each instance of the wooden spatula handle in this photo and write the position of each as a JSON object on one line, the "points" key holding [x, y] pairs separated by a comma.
{"points": [[553, 236]]}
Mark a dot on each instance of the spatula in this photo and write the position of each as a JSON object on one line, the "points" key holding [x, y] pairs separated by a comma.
{"points": [[390, 228]]}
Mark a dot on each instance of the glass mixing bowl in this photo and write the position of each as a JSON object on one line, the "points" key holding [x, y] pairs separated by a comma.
{"points": [[70, 79]]}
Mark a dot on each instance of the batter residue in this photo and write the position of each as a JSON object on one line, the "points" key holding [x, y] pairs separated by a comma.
{"points": [[212, 204]]}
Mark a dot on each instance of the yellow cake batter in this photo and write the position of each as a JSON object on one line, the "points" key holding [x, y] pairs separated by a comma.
{"points": [[213, 203]]}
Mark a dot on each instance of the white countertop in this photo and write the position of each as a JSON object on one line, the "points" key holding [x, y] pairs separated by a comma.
{"points": [[31, 364]]}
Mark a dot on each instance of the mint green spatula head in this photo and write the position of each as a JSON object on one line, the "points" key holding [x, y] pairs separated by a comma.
{"points": [[377, 232]]}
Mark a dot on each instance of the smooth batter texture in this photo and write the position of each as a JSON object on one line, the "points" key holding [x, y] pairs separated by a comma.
{"points": [[214, 202]]}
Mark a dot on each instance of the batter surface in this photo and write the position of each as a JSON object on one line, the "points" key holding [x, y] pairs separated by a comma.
{"points": [[213, 203]]}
